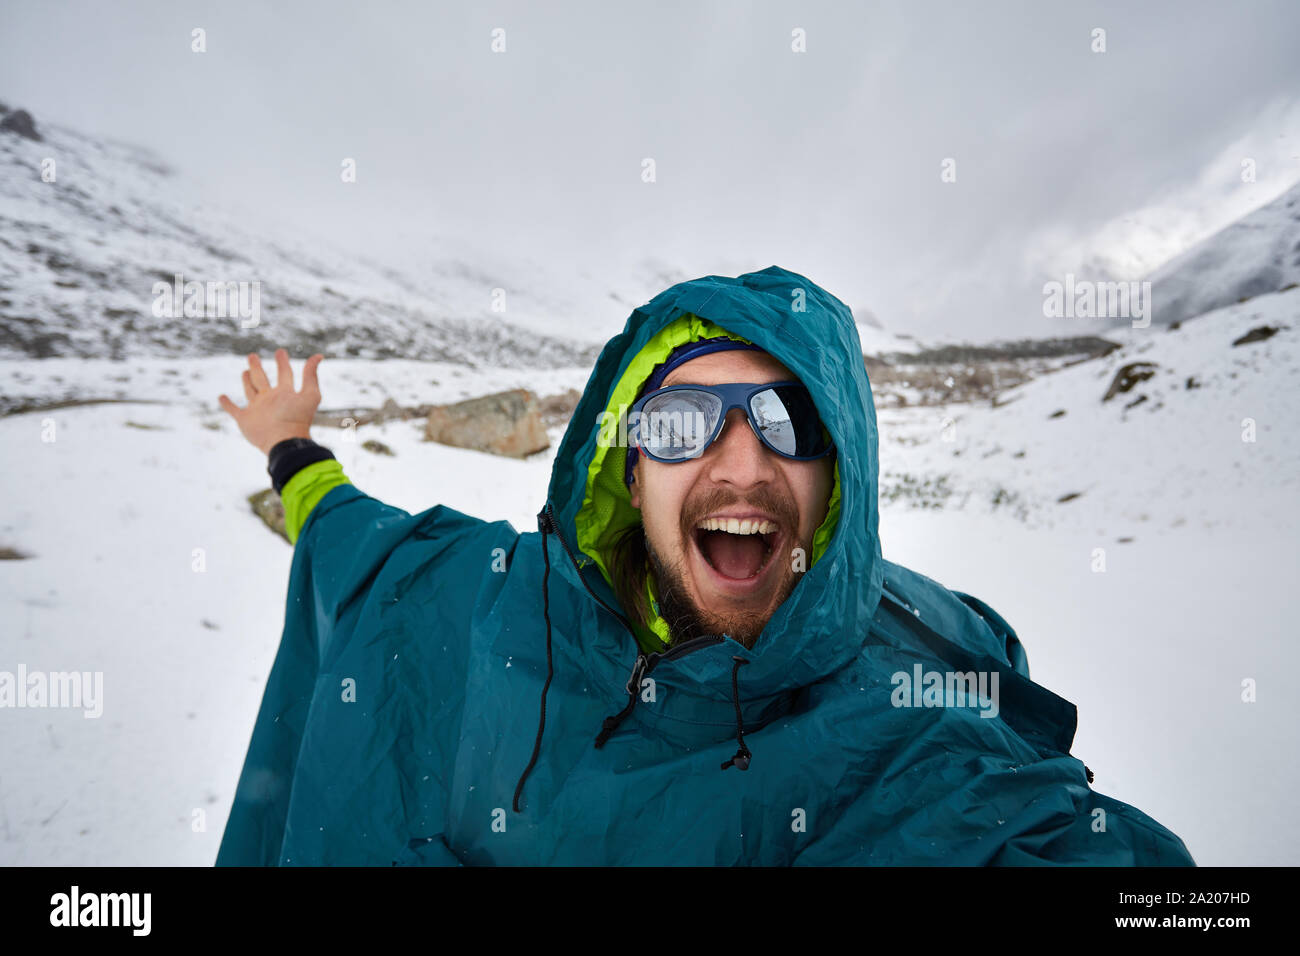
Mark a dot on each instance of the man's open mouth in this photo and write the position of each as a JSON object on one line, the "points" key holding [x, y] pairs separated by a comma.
{"points": [[738, 549]]}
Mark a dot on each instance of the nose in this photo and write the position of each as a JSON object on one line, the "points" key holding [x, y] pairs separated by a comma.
{"points": [[737, 457]]}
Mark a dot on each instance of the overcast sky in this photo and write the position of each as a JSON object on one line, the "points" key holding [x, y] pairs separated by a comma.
{"points": [[827, 162]]}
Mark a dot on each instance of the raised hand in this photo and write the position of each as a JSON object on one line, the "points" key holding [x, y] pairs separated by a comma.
{"points": [[277, 412]]}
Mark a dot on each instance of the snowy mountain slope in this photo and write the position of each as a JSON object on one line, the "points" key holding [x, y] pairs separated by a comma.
{"points": [[1168, 452], [1257, 254], [80, 256]]}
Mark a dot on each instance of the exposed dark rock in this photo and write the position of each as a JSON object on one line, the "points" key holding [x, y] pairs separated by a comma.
{"points": [[1259, 334], [1128, 376], [21, 122]]}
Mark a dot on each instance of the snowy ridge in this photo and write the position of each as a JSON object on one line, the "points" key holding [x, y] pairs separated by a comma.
{"points": [[1256, 255]]}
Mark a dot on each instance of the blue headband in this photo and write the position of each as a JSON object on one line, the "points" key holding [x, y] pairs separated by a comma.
{"points": [[677, 357]]}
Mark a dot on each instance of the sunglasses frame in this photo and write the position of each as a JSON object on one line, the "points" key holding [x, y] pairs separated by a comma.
{"points": [[732, 395]]}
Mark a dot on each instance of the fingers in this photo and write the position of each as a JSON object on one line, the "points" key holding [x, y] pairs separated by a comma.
{"points": [[283, 370], [256, 381], [257, 374], [309, 380], [229, 406]]}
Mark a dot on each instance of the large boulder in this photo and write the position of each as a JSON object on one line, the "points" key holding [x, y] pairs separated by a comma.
{"points": [[266, 504], [506, 423]]}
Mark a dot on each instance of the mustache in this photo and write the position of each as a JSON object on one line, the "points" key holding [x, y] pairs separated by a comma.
{"points": [[767, 500]]}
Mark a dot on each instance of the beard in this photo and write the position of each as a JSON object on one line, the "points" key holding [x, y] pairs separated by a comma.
{"points": [[685, 618]]}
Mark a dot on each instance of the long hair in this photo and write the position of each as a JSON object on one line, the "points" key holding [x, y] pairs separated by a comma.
{"points": [[629, 565]]}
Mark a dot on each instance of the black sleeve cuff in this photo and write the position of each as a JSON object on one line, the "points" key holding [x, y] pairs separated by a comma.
{"points": [[290, 456]]}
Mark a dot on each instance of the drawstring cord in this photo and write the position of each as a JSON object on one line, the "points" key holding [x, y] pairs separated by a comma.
{"points": [[546, 524], [610, 724], [741, 760], [550, 669]]}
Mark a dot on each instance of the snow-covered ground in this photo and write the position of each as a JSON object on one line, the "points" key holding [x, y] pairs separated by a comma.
{"points": [[1197, 530]]}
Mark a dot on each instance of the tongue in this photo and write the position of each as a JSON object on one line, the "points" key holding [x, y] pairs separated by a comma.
{"points": [[733, 555]]}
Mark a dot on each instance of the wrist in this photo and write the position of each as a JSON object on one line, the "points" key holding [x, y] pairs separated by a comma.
{"points": [[289, 456], [266, 446]]}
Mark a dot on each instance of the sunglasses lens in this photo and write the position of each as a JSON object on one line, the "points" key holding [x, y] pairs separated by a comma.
{"points": [[789, 421], [674, 426]]}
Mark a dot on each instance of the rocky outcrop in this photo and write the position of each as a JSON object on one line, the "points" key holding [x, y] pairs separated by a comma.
{"points": [[1260, 334], [1127, 377]]}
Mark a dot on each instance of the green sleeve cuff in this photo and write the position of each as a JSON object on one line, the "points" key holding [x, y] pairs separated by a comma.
{"points": [[305, 490]]}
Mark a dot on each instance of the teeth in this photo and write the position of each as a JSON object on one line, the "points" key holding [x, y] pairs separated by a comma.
{"points": [[737, 526]]}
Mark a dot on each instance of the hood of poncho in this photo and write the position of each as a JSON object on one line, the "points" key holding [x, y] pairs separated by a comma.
{"points": [[821, 626]]}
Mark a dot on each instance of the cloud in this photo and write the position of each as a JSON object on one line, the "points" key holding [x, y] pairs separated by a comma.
{"points": [[826, 161]]}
